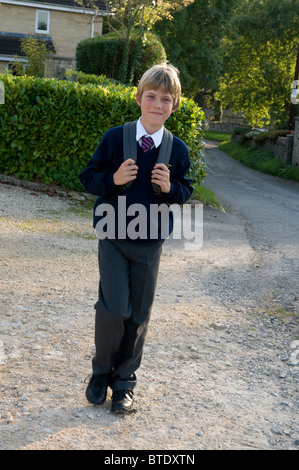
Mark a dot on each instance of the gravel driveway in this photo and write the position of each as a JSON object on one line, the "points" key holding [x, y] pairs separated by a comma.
{"points": [[220, 366]]}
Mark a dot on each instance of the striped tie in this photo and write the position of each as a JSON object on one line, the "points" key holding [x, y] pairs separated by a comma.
{"points": [[147, 143]]}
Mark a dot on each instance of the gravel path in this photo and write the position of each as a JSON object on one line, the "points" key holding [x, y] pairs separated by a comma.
{"points": [[220, 364]]}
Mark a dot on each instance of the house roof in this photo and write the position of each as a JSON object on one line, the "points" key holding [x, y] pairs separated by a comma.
{"points": [[101, 4], [10, 43]]}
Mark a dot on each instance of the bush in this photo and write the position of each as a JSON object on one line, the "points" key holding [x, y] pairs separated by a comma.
{"points": [[271, 135], [35, 49], [85, 78], [247, 135], [99, 56], [240, 130], [49, 129], [103, 55]]}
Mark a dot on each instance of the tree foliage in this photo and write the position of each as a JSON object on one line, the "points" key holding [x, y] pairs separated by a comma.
{"points": [[129, 15], [192, 41], [35, 49], [130, 20], [259, 61]]}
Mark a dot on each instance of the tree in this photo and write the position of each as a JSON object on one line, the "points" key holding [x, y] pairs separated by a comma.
{"points": [[35, 50], [132, 17], [259, 61], [193, 42]]}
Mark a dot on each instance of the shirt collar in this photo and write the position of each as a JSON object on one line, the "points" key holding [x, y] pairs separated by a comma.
{"points": [[140, 132]]}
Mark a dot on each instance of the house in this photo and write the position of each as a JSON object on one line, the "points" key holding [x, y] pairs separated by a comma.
{"points": [[61, 23]]}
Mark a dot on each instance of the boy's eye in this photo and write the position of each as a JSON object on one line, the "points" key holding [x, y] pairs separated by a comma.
{"points": [[153, 97]]}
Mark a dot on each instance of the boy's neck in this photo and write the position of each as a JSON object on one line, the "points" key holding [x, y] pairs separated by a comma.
{"points": [[150, 130]]}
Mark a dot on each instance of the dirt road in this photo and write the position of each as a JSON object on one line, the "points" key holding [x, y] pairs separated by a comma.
{"points": [[220, 367]]}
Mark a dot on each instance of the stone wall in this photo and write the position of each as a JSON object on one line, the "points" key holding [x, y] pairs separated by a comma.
{"points": [[281, 148], [222, 126], [55, 63], [295, 160], [227, 123]]}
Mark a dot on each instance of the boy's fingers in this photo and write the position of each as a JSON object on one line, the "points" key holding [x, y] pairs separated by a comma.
{"points": [[130, 165], [161, 172], [129, 161], [162, 166]]}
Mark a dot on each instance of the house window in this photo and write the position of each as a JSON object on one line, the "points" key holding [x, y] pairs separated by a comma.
{"points": [[42, 22]]}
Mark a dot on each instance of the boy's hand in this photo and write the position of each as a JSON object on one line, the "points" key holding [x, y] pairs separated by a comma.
{"points": [[126, 172], [161, 176]]}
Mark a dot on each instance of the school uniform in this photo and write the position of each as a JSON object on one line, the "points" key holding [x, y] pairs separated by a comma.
{"points": [[129, 267]]}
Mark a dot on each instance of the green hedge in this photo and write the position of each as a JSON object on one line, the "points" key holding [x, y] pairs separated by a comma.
{"points": [[84, 78], [103, 55], [49, 129]]}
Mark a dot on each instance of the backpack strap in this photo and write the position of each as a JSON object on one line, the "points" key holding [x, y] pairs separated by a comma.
{"points": [[130, 148], [163, 157], [130, 151], [165, 148]]}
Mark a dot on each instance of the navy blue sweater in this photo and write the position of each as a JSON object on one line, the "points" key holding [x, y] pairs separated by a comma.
{"points": [[97, 177]]}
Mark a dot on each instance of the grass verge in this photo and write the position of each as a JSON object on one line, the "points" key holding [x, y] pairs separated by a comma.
{"points": [[219, 136], [206, 196], [261, 160]]}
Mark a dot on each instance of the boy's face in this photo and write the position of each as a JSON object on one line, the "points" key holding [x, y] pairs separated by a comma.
{"points": [[156, 107]]}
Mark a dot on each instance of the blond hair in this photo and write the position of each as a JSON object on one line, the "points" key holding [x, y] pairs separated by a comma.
{"points": [[162, 76]]}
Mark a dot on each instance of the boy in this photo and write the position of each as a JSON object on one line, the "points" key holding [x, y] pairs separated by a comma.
{"points": [[129, 267]]}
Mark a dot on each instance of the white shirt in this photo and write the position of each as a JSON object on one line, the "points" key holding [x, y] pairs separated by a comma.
{"points": [[141, 132]]}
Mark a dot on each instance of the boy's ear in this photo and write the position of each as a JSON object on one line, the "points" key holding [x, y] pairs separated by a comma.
{"points": [[138, 100]]}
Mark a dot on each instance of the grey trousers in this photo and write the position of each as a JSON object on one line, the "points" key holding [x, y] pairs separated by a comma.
{"points": [[128, 277]]}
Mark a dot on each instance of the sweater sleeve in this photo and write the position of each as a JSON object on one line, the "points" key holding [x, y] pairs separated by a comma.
{"points": [[181, 188], [97, 177]]}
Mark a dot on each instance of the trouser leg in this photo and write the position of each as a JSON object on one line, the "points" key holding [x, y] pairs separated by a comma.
{"points": [[122, 313], [144, 267], [113, 306]]}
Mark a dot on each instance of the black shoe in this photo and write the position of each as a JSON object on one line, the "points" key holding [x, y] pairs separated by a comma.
{"points": [[97, 389], [122, 401]]}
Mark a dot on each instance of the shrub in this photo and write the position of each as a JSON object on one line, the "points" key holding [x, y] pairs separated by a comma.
{"points": [[240, 130], [103, 55], [99, 56], [49, 129], [85, 78], [252, 134], [35, 49], [271, 135]]}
